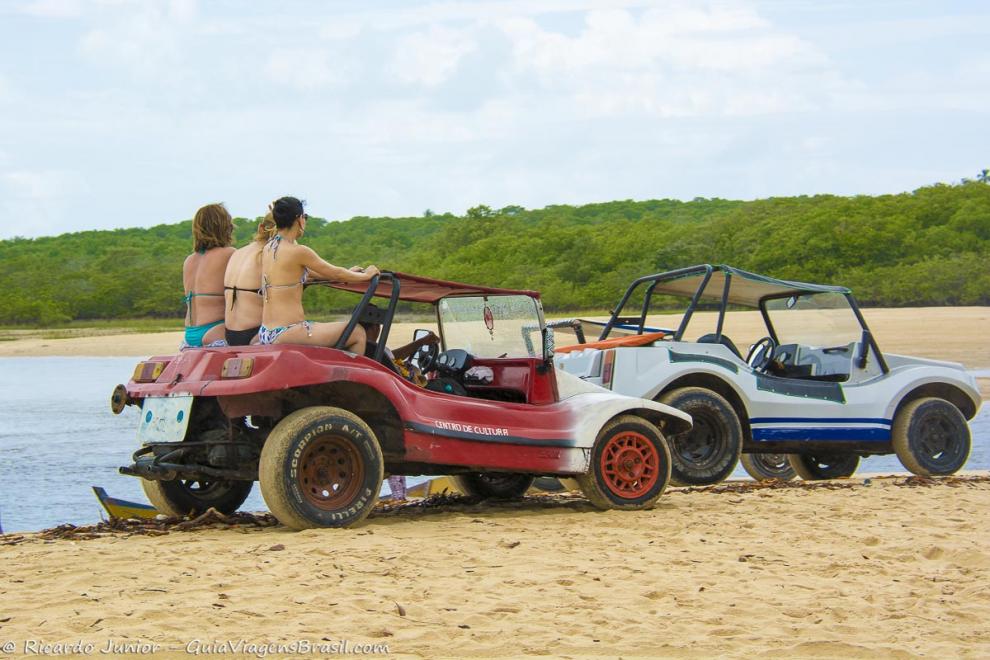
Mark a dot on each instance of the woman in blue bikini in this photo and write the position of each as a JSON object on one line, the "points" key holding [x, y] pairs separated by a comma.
{"points": [[202, 277], [285, 266]]}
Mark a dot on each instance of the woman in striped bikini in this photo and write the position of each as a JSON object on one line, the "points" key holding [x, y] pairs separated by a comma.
{"points": [[202, 277], [285, 266]]}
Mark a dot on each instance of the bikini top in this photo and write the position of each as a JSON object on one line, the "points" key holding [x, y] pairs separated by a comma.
{"points": [[235, 289], [189, 296], [188, 300], [273, 244]]}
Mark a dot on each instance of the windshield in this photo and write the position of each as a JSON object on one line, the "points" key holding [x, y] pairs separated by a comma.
{"points": [[491, 326], [814, 319]]}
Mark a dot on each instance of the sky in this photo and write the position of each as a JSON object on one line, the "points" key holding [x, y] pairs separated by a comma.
{"points": [[123, 113]]}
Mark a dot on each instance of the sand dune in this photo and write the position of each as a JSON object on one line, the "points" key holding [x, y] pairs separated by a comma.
{"points": [[855, 571]]}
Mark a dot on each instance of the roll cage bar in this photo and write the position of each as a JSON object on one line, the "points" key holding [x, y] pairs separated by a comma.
{"points": [[358, 313], [705, 272], [422, 289]]}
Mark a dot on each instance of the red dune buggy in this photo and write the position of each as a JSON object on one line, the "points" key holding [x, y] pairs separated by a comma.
{"points": [[319, 427]]}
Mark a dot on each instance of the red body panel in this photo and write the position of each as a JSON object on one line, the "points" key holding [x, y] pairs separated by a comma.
{"points": [[422, 448], [443, 429]]}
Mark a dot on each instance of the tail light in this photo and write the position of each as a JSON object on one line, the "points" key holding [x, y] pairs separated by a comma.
{"points": [[148, 372], [608, 364], [237, 367]]}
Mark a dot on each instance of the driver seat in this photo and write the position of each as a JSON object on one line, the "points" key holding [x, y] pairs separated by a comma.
{"points": [[369, 352], [712, 338]]}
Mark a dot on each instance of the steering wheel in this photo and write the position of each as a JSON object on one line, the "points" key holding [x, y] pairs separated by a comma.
{"points": [[425, 357], [761, 354]]}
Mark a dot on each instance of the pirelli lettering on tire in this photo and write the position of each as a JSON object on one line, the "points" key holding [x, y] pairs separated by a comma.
{"points": [[355, 508]]}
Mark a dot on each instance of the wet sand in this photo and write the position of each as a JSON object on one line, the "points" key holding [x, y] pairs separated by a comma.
{"points": [[861, 571]]}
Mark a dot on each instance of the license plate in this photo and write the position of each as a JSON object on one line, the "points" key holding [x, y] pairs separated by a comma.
{"points": [[164, 419]]}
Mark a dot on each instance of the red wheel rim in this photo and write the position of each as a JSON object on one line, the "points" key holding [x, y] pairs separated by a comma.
{"points": [[330, 472], [630, 465]]}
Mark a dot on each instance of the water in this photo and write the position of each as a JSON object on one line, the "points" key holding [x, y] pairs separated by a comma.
{"points": [[58, 438]]}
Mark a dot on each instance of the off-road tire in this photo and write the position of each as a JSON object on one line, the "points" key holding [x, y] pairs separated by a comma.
{"points": [[767, 466], [931, 437], [708, 452], [603, 482], [321, 467], [179, 498], [816, 467], [493, 485]]}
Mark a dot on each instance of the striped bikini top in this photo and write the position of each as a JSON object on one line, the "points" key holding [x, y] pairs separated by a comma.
{"points": [[273, 245]]}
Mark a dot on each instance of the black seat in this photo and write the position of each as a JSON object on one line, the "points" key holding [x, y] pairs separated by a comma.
{"points": [[712, 338]]}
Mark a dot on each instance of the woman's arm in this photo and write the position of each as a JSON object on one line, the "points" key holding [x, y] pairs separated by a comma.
{"points": [[403, 352], [328, 271]]}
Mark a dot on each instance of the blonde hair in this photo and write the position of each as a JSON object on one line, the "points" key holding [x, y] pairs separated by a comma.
{"points": [[266, 229], [212, 227]]}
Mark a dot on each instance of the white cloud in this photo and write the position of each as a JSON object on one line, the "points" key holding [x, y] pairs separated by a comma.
{"points": [[430, 57], [53, 8], [306, 68], [41, 185], [38, 200], [731, 40], [145, 38], [674, 62]]}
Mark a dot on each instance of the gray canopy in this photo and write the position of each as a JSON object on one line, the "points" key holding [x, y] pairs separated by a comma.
{"points": [[746, 288]]}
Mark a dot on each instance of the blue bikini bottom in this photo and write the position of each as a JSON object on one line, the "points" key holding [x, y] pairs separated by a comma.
{"points": [[195, 334]]}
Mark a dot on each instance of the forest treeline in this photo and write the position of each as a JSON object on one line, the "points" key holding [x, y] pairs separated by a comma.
{"points": [[927, 247]]}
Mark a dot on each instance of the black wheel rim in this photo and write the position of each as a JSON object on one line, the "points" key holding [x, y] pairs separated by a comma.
{"points": [[773, 463], [830, 466], [938, 441], [703, 444], [205, 490]]}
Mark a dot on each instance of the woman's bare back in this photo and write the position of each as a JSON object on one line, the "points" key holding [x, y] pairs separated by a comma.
{"points": [[242, 284], [202, 279]]}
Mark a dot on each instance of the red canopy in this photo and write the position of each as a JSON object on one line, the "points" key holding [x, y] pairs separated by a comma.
{"points": [[423, 289]]}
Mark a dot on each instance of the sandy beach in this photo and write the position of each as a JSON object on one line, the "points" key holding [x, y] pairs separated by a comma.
{"points": [[834, 569]]}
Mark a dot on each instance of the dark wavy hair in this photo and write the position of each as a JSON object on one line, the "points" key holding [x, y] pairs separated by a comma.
{"points": [[285, 210]]}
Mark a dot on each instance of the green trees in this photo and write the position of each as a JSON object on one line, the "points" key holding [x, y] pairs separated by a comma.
{"points": [[927, 247]]}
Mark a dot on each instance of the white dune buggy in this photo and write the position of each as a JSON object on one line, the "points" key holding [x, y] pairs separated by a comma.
{"points": [[810, 397]]}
